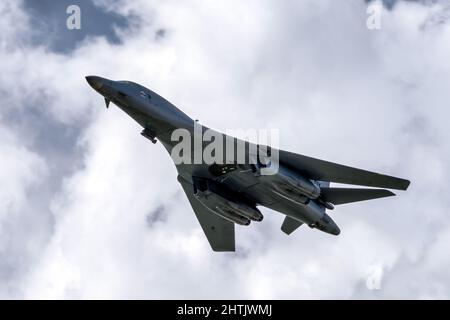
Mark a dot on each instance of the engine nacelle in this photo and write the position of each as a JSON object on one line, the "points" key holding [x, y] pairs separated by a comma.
{"points": [[247, 211], [291, 183], [234, 211], [290, 195], [231, 216]]}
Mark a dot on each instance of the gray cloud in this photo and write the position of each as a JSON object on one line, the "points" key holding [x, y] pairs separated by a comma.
{"points": [[389, 4], [159, 214], [49, 21]]}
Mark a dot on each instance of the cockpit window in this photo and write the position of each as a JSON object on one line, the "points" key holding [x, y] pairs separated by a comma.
{"points": [[145, 95], [134, 84]]}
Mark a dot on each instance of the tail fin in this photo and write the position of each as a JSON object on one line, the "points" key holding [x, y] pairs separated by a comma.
{"points": [[290, 225], [346, 195]]}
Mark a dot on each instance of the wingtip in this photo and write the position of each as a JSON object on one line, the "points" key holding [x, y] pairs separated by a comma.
{"points": [[397, 184], [402, 184], [389, 193], [406, 184]]}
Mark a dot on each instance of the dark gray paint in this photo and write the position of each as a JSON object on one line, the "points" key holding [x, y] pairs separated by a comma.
{"points": [[244, 186]]}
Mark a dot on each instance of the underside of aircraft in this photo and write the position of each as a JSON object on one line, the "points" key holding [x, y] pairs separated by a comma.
{"points": [[225, 193]]}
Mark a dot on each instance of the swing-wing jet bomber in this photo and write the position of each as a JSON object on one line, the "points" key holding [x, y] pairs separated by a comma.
{"points": [[223, 194]]}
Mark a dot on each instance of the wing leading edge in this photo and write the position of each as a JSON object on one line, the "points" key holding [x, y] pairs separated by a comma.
{"points": [[218, 231], [347, 195], [316, 169]]}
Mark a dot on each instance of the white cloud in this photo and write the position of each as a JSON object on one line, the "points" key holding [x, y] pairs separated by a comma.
{"points": [[21, 232], [373, 99]]}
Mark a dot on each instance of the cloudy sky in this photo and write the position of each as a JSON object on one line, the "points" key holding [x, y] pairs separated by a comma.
{"points": [[90, 209]]}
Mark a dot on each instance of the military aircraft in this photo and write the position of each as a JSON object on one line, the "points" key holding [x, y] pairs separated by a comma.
{"points": [[225, 193]]}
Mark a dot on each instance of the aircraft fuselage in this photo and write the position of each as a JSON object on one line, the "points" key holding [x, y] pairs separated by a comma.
{"points": [[286, 191]]}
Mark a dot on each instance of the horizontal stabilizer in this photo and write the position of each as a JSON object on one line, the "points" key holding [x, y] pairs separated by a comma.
{"points": [[316, 169], [346, 195], [290, 225]]}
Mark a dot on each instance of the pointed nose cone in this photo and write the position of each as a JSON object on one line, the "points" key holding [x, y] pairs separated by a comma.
{"points": [[95, 82]]}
